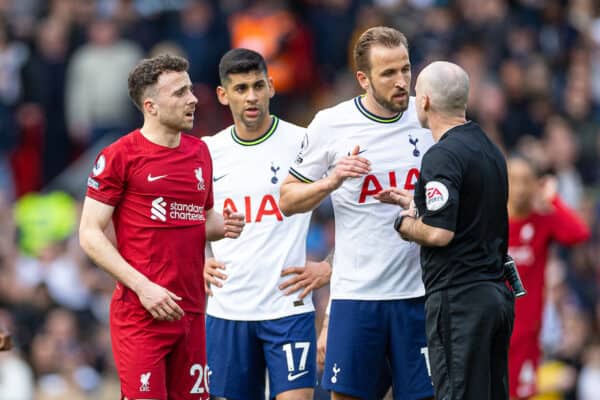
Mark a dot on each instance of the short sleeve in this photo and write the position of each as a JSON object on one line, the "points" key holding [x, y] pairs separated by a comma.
{"points": [[106, 182], [210, 198], [440, 182], [312, 161]]}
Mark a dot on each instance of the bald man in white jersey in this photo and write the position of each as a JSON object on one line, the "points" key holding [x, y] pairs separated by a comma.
{"points": [[364, 152]]}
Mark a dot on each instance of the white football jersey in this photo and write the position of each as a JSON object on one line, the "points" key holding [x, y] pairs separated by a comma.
{"points": [[246, 179], [371, 261]]}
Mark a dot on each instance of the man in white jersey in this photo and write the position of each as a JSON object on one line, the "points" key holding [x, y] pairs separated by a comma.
{"points": [[252, 324], [363, 152]]}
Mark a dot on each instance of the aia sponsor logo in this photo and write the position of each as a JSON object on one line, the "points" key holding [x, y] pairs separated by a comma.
{"points": [[373, 185], [267, 207]]}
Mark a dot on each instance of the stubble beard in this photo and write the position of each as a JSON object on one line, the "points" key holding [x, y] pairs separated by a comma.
{"points": [[178, 124], [388, 104]]}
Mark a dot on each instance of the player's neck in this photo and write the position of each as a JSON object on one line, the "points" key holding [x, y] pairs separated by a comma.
{"points": [[160, 134], [369, 102], [252, 133], [518, 213], [441, 124]]}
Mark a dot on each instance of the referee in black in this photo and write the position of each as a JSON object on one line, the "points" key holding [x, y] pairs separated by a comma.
{"points": [[462, 225]]}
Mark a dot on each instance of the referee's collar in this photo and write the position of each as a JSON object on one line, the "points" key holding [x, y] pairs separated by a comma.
{"points": [[465, 125]]}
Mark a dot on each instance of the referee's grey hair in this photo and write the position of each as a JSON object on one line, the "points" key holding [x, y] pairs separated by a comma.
{"points": [[447, 86]]}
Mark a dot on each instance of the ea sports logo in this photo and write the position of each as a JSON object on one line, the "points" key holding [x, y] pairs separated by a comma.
{"points": [[432, 192], [436, 194]]}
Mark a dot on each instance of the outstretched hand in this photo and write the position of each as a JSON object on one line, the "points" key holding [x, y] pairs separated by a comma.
{"points": [[233, 223], [393, 195], [351, 166]]}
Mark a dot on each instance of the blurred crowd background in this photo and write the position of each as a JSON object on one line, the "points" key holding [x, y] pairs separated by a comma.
{"points": [[535, 87]]}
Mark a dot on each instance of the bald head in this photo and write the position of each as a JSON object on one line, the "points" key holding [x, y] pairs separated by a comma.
{"points": [[447, 86]]}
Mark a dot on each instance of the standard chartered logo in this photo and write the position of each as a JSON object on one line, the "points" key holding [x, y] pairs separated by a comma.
{"points": [[158, 209], [176, 211]]}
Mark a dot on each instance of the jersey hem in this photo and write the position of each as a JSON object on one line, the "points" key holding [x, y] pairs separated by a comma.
{"points": [[345, 296], [258, 318], [101, 199]]}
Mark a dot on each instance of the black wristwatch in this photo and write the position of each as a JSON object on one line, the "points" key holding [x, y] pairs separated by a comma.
{"points": [[398, 222], [400, 218]]}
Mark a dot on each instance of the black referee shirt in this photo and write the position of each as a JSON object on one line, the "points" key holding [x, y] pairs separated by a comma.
{"points": [[463, 187]]}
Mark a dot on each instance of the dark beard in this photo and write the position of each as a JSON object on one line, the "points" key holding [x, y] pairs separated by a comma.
{"points": [[387, 104]]}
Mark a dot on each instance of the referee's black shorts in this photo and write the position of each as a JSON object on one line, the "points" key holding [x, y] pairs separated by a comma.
{"points": [[468, 333]]}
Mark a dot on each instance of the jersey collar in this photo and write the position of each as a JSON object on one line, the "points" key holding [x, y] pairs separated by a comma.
{"points": [[261, 138], [371, 116]]}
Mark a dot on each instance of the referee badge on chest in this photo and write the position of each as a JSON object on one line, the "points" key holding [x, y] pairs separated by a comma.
{"points": [[198, 172]]}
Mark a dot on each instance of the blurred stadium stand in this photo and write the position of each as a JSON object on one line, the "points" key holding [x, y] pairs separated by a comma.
{"points": [[535, 76]]}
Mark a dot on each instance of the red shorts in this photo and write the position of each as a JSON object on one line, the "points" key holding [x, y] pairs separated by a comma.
{"points": [[158, 359], [523, 360]]}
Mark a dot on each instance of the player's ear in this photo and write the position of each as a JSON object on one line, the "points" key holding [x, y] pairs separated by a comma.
{"points": [[271, 88], [222, 96], [426, 103], [149, 106], [363, 80]]}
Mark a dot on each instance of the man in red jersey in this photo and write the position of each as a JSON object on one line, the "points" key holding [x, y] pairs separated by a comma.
{"points": [[156, 185], [537, 217]]}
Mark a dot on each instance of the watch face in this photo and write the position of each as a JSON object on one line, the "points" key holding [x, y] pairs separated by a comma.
{"points": [[398, 222]]}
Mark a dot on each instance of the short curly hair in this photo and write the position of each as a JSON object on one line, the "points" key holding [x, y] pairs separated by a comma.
{"points": [[146, 73]]}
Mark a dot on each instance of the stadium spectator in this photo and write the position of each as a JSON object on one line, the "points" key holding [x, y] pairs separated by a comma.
{"points": [[556, 43], [96, 95]]}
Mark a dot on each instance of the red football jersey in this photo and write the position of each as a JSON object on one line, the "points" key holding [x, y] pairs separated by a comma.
{"points": [[160, 196], [529, 239], [528, 243]]}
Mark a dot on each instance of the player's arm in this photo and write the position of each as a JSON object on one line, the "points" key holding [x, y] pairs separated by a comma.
{"points": [[440, 174], [570, 228], [415, 230], [299, 196], [228, 225], [322, 343], [95, 218]]}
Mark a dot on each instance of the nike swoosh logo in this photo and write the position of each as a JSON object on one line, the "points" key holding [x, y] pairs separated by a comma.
{"points": [[216, 178], [293, 377], [360, 152], [155, 178]]}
